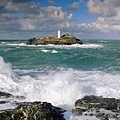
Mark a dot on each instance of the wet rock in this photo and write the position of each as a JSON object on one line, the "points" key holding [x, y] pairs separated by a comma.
{"points": [[63, 40], [6, 95], [31, 41], [3, 102], [34, 111], [103, 108], [78, 111], [28, 110]]}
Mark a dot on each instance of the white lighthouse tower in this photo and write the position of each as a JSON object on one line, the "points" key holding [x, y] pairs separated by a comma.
{"points": [[58, 33]]}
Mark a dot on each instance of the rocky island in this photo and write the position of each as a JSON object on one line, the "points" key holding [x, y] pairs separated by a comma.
{"points": [[63, 40]]}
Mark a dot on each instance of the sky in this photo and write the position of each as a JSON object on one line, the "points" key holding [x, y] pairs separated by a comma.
{"points": [[84, 19]]}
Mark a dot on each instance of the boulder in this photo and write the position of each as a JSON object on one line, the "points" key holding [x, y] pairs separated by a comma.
{"points": [[31, 41], [63, 40], [5, 94], [102, 108], [8, 95]]}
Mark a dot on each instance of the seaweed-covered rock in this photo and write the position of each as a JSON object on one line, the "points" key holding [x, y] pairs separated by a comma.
{"points": [[103, 108], [63, 40], [33, 111]]}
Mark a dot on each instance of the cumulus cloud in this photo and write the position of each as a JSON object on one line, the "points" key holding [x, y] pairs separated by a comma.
{"points": [[21, 1], [74, 6], [105, 8], [109, 15], [9, 6], [51, 1], [114, 3], [30, 16], [47, 19], [107, 24]]}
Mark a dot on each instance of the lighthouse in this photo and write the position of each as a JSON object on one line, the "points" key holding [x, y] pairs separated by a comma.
{"points": [[58, 33]]}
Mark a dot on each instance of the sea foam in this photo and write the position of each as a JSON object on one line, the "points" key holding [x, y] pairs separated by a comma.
{"points": [[61, 87], [61, 46], [5, 68]]}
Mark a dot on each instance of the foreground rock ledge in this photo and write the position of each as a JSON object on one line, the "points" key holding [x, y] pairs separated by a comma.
{"points": [[33, 111], [29, 110], [63, 40]]}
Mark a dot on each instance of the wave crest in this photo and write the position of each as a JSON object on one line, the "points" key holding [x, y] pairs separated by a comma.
{"points": [[5, 68]]}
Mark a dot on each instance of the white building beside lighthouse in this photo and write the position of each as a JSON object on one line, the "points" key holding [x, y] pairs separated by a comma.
{"points": [[58, 33]]}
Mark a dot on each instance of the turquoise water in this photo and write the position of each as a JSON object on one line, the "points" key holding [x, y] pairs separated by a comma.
{"points": [[60, 74], [93, 55]]}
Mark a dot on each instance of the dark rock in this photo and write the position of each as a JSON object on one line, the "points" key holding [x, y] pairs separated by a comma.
{"points": [[78, 111], [29, 110], [63, 40], [3, 102], [34, 111], [6, 95], [31, 41], [93, 105]]}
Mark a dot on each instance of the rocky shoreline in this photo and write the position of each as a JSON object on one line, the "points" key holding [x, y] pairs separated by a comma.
{"points": [[101, 108], [63, 40]]}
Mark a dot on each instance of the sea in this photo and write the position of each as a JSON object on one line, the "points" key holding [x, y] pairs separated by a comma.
{"points": [[59, 74]]}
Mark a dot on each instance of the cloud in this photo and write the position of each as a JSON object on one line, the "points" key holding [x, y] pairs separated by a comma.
{"points": [[100, 8], [26, 18], [106, 8], [31, 17], [22, 6], [51, 1], [109, 14], [3, 3], [114, 3], [74, 6], [49, 18], [22, 1], [108, 21]]}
